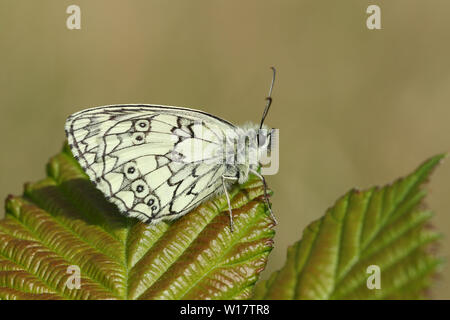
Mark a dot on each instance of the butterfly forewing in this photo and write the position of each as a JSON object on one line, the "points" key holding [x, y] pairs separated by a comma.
{"points": [[142, 157]]}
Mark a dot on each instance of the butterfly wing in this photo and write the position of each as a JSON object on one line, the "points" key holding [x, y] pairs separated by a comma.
{"points": [[143, 157]]}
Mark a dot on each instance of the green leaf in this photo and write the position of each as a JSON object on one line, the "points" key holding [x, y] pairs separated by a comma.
{"points": [[386, 227], [63, 221]]}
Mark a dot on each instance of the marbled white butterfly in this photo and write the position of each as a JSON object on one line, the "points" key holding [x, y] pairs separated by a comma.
{"points": [[160, 162]]}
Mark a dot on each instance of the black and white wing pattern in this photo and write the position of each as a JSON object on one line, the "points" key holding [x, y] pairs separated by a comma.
{"points": [[141, 156]]}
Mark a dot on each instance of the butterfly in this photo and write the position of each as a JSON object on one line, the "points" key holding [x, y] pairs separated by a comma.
{"points": [[158, 163]]}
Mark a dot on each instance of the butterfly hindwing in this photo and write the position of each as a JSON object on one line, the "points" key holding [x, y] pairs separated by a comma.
{"points": [[141, 156]]}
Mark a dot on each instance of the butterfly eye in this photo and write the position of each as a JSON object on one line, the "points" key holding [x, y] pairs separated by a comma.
{"points": [[261, 139], [142, 125]]}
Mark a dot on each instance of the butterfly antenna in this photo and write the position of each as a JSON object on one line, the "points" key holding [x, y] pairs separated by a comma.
{"points": [[269, 98]]}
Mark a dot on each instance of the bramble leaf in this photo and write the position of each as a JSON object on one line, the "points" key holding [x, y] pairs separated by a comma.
{"points": [[382, 227], [63, 221]]}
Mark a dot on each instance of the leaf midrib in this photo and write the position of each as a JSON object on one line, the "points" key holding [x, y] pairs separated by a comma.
{"points": [[416, 182]]}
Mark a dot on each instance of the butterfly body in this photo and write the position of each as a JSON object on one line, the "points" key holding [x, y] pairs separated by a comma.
{"points": [[159, 162]]}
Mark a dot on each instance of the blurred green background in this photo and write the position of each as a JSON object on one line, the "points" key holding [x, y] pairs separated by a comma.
{"points": [[355, 107]]}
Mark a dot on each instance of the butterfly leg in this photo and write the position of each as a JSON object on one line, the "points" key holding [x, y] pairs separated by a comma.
{"points": [[265, 194], [228, 198]]}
